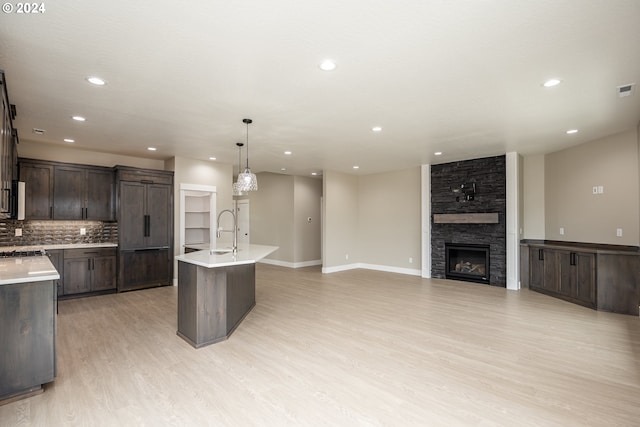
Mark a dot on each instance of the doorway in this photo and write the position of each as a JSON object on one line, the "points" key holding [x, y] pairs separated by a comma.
{"points": [[243, 217]]}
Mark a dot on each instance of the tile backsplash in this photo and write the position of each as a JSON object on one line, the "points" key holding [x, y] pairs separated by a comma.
{"points": [[56, 232]]}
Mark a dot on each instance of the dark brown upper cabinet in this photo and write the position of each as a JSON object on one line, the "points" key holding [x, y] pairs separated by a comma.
{"points": [[38, 179], [83, 193], [67, 191]]}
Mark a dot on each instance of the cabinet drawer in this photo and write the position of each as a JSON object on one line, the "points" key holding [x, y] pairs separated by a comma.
{"points": [[145, 176], [89, 252]]}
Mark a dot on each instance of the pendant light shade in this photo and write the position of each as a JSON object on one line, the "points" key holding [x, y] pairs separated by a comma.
{"points": [[247, 180], [237, 188]]}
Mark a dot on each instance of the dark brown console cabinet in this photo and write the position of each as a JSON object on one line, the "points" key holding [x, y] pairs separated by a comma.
{"points": [[602, 277], [145, 228]]}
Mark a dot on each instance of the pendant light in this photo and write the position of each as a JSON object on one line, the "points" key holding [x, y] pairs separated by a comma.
{"points": [[237, 190], [247, 179]]}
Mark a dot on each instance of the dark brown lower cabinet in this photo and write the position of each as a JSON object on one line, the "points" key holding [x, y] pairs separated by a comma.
{"points": [[89, 270], [144, 268], [27, 337], [596, 276]]}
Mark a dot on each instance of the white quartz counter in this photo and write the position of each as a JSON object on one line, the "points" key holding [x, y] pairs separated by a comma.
{"points": [[26, 269], [58, 246], [212, 258]]}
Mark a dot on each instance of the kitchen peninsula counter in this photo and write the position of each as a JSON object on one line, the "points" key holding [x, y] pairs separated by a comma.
{"points": [[216, 290]]}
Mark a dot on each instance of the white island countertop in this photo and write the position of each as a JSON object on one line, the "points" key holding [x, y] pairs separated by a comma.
{"points": [[212, 257], [26, 269]]}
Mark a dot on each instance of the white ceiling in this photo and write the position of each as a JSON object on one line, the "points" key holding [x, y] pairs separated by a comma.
{"points": [[460, 76]]}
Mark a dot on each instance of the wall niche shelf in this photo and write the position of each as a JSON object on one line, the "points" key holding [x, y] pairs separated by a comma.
{"points": [[197, 214]]}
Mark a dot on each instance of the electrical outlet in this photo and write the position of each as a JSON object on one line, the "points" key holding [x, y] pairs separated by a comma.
{"points": [[83, 231], [562, 231], [18, 232], [410, 260], [346, 257], [619, 232], [600, 189]]}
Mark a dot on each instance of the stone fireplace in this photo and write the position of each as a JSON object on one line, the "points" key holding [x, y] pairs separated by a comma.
{"points": [[468, 202]]}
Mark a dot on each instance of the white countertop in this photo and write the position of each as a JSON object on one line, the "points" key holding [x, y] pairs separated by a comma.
{"points": [[58, 246], [26, 269], [247, 254]]}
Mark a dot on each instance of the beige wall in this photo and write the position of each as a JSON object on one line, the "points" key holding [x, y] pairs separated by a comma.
{"points": [[279, 212], [340, 232], [271, 218], [533, 179], [389, 219], [571, 174], [307, 196], [59, 153]]}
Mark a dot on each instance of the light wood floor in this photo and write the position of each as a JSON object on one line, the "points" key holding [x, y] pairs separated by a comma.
{"points": [[352, 348]]}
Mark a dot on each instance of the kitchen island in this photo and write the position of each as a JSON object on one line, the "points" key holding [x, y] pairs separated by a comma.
{"points": [[27, 325], [216, 290]]}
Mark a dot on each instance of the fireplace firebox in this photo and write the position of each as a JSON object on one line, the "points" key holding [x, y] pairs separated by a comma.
{"points": [[467, 262]]}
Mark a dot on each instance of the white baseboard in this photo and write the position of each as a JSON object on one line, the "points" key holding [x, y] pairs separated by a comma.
{"points": [[389, 269], [291, 264]]}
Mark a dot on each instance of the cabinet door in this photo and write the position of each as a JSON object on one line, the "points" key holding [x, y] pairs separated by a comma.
{"points": [[144, 268], [536, 268], [69, 192], [77, 275], [565, 272], [99, 201], [159, 215], [585, 278], [38, 180], [131, 218], [550, 270], [103, 273]]}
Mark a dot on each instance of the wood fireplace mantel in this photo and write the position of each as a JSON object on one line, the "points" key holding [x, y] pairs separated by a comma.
{"points": [[466, 218]]}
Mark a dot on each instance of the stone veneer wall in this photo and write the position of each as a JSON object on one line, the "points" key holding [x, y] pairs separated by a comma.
{"points": [[56, 232], [489, 175]]}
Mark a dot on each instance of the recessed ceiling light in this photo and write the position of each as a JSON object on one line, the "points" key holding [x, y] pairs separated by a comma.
{"points": [[69, 140], [151, 148], [376, 128], [78, 118], [38, 131], [96, 81], [283, 169], [212, 158], [288, 153], [551, 83], [438, 153], [571, 131], [327, 65], [314, 173], [356, 167]]}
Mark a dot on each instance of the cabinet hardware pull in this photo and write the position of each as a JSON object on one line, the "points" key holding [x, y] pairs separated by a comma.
{"points": [[89, 264], [541, 254], [572, 258]]}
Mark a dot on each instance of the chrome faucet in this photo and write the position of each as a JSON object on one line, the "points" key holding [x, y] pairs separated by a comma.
{"points": [[219, 229]]}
